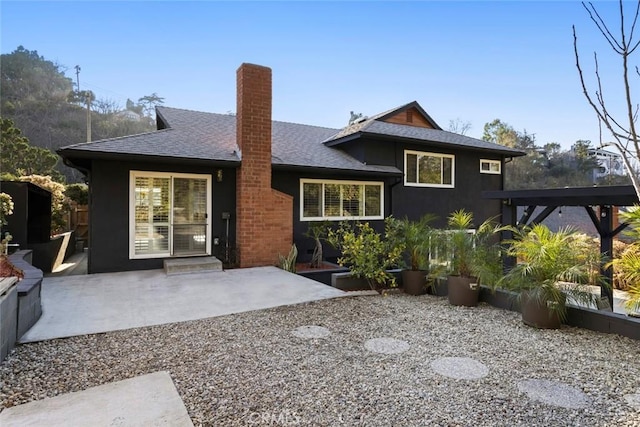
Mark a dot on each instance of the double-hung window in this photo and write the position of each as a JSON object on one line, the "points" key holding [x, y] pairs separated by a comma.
{"points": [[424, 169], [338, 200]]}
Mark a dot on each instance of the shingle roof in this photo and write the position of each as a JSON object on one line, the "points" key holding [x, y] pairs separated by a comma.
{"points": [[212, 137], [373, 126]]}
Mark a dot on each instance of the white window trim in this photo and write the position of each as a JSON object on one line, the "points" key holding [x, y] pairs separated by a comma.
{"points": [[132, 211], [491, 162], [343, 182], [427, 153]]}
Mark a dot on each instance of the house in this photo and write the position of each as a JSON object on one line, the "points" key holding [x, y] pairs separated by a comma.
{"points": [[609, 164], [218, 183]]}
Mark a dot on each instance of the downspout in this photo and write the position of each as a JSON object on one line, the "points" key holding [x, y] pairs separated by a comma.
{"points": [[391, 186]]}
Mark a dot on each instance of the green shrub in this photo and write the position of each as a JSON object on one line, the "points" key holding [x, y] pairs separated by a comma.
{"points": [[78, 193], [366, 253]]}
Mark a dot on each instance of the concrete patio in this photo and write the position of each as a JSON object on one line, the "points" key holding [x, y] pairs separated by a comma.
{"points": [[89, 304]]}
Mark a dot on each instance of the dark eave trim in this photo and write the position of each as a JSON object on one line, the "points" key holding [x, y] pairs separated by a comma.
{"points": [[325, 170], [616, 195], [392, 138], [75, 155]]}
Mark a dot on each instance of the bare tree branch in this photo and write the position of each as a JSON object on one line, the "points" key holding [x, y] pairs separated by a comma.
{"points": [[602, 27], [625, 136]]}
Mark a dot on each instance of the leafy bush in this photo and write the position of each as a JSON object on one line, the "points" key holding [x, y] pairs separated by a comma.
{"points": [[6, 208], [78, 193], [366, 253]]}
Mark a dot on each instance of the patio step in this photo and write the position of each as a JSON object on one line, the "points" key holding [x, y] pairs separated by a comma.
{"points": [[192, 265]]}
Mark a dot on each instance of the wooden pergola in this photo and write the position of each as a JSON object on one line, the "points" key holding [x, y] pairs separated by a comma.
{"points": [[597, 201]]}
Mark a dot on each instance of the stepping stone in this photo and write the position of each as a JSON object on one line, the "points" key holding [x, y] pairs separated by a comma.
{"points": [[554, 393], [311, 331], [149, 400], [633, 400], [192, 265], [460, 368], [386, 345]]}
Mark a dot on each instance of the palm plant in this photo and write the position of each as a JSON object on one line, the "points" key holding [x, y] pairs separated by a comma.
{"points": [[475, 257], [476, 253], [551, 266], [628, 265], [415, 237]]}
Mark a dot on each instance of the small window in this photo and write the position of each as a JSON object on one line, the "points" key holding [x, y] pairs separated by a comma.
{"points": [[491, 166], [422, 169], [409, 116], [338, 200]]}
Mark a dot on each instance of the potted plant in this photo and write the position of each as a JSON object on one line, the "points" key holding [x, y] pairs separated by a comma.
{"points": [[551, 266], [366, 253], [415, 237], [475, 257]]}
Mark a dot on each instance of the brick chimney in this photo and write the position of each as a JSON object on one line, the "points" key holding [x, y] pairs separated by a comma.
{"points": [[264, 216]]}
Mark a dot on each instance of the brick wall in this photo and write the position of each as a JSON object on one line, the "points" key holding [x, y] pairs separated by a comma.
{"points": [[264, 216]]}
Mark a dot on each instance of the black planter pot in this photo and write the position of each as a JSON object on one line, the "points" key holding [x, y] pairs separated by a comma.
{"points": [[538, 313], [463, 291], [414, 282]]}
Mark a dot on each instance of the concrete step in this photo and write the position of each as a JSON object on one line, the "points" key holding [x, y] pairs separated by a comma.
{"points": [[192, 265]]}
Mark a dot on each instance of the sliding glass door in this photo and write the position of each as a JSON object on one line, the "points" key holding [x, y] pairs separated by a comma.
{"points": [[170, 214]]}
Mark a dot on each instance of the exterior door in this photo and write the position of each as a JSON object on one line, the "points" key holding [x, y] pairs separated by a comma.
{"points": [[170, 214], [190, 216]]}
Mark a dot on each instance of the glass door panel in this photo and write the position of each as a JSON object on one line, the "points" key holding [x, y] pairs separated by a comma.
{"points": [[152, 207], [189, 216]]}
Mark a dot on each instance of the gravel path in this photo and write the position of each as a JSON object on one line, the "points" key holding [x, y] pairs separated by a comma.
{"points": [[377, 361]]}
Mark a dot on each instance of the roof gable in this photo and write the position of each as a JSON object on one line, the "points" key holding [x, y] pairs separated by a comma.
{"points": [[411, 114], [423, 129]]}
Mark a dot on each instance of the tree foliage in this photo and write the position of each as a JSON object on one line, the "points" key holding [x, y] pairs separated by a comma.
{"points": [[59, 204], [78, 193], [21, 158], [40, 99], [545, 166]]}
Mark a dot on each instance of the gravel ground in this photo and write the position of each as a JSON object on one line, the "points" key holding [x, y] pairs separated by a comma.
{"points": [[396, 360]]}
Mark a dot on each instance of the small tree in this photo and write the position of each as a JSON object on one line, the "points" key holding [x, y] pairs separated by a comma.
{"points": [[317, 231], [622, 129]]}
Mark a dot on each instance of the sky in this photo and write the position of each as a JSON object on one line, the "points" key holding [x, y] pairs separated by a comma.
{"points": [[474, 61]]}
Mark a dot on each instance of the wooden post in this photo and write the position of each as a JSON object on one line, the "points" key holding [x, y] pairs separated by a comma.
{"points": [[606, 250]]}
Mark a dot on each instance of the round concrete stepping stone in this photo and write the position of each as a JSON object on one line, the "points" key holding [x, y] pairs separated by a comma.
{"points": [[633, 400], [386, 345], [460, 368], [311, 331], [554, 393]]}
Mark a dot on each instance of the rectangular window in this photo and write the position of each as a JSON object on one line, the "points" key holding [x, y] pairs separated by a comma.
{"points": [[338, 200], [490, 166], [169, 214], [424, 169]]}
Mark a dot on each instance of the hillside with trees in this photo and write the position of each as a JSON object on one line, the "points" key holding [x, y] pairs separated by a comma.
{"points": [[47, 107], [546, 166]]}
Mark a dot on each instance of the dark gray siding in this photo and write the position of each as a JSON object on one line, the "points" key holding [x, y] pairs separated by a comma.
{"points": [[401, 200], [109, 212]]}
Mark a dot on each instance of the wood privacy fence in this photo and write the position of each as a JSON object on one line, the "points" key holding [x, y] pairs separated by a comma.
{"points": [[78, 220]]}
